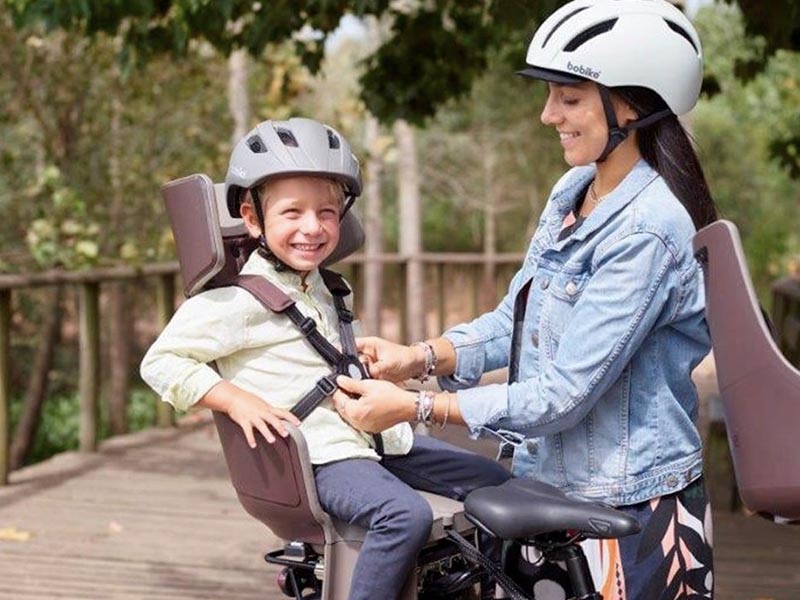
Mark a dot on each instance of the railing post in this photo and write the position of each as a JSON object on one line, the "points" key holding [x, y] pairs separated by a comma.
{"points": [[5, 387], [441, 298], [475, 285], [403, 302], [166, 308], [89, 365]]}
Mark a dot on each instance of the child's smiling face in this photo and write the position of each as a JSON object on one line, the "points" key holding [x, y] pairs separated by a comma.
{"points": [[302, 220]]}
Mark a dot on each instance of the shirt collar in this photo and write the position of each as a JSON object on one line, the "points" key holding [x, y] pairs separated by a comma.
{"points": [[288, 281]]}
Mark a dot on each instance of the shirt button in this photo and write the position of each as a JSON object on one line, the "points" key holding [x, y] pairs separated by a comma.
{"points": [[571, 288], [535, 339], [672, 481], [544, 283]]}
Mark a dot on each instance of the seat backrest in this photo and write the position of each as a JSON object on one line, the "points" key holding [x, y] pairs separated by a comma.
{"points": [[759, 388], [274, 483]]}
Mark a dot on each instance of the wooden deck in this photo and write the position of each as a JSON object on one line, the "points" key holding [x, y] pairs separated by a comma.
{"points": [[153, 516]]}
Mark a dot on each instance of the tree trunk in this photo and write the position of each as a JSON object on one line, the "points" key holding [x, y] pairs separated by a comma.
{"points": [[37, 384], [408, 199], [238, 100], [488, 294], [373, 270], [120, 329]]}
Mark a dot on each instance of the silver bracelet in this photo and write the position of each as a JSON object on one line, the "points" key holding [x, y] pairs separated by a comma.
{"points": [[424, 406], [430, 362]]}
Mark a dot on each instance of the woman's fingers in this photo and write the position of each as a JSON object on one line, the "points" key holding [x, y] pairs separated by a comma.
{"points": [[348, 384]]}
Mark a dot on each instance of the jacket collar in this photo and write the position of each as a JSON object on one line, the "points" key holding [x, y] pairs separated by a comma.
{"points": [[564, 200]]}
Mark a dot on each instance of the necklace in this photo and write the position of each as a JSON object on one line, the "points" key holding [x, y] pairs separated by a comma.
{"points": [[593, 195]]}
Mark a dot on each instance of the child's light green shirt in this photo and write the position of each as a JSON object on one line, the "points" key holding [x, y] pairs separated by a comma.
{"points": [[263, 353]]}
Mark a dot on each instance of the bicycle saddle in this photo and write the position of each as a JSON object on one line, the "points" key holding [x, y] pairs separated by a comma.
{"points": [[523, 508]]}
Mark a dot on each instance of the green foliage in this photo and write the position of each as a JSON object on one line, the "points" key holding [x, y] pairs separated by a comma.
{"points": [[736, 130], [62, 234], [435, 50], [59, 423]]}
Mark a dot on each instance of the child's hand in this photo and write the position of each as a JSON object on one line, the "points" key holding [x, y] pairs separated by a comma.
{"points": [[249, 412], [389, 361], [252, 412]]}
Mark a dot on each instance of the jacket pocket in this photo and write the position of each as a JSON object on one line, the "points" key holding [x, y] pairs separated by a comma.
{"points": [[562, 294]]}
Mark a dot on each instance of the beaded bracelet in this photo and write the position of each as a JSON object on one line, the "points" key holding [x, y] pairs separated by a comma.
{"points": [[430, 362]]}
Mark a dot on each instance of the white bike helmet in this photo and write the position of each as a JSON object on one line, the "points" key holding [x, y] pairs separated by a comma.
{"points": [[642, 43], [283, 148]]}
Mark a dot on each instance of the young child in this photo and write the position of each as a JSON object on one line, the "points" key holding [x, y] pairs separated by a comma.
{"points": [[292, 182]]}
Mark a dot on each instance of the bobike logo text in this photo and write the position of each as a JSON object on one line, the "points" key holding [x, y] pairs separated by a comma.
{"points": [[581, 70]]}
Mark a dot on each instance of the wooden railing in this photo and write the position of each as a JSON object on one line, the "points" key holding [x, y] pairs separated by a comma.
{"points": [[88, 284]]}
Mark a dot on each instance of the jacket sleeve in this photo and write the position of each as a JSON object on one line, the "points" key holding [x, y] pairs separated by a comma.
{"points": [[616, 311]]}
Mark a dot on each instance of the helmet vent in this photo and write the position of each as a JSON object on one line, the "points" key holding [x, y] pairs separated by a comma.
{"points": [[287, 137], [256, 145], [333, 141], [591, 33], [561, 22], [682, 32]]}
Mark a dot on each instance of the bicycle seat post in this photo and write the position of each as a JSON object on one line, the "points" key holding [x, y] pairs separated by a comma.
{"points": [[578, 570]]}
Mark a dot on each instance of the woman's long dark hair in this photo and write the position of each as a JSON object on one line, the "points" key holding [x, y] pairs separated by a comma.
{"points": [[666, 147]]}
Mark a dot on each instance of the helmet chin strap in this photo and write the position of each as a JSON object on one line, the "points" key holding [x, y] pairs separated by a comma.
{"points": [[616, 133], [263, 248]]}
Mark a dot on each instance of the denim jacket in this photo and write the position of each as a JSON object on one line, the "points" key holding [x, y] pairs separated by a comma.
{"points": [[600, 332]]}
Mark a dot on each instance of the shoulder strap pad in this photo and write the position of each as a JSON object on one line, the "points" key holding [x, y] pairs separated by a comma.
{"points": [[270, 295]]}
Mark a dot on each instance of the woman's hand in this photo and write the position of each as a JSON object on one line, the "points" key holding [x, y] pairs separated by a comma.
{"points": [[249, 412], [372, 405], [389, 361]]}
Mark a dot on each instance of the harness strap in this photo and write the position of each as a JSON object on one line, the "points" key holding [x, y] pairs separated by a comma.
{"points": [[339, 290], [345, 363], [322, 390]]}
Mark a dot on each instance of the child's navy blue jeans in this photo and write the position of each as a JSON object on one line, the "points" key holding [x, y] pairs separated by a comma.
{"points": [[381, 497]]}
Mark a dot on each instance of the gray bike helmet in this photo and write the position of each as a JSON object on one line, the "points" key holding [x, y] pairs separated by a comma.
{"points": [[294, 147], [284, 148], [643, 43]]}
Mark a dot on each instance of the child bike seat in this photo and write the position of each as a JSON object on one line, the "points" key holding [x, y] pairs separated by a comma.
{"points": [[759, 388], [275, 482]]}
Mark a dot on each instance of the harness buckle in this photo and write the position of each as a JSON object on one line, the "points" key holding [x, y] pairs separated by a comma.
{"points": [[325, 386], [307, 325], [346, 315], [352, 367]]}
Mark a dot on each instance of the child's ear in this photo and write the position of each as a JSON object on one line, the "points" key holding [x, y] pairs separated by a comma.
{"points": [[250, 219]]}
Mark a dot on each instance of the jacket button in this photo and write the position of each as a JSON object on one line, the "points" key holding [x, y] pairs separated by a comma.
{"points": [[531, 446], [544, 283], [535, 339], [571, 288], [672, 481]]}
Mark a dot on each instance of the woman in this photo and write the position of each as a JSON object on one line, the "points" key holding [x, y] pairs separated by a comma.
{"points": [[604, 322]]}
